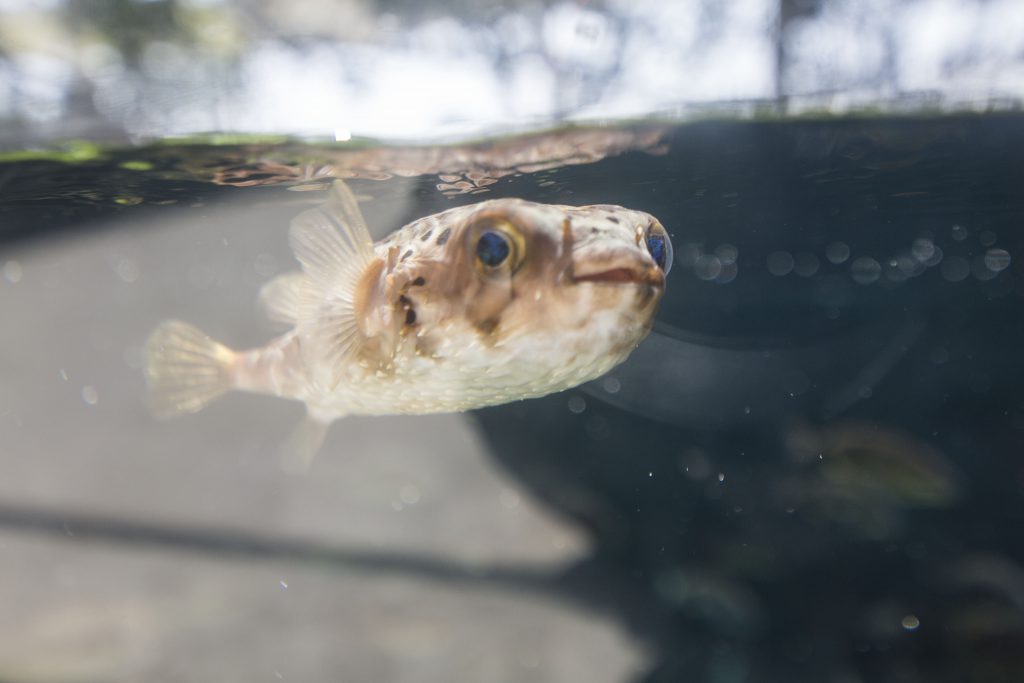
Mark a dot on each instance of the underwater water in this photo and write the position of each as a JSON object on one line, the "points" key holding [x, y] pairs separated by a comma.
{"points": [[810, 471]]}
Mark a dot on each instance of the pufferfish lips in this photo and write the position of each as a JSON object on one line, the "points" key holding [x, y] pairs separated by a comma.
{"points": [[624, 265]]}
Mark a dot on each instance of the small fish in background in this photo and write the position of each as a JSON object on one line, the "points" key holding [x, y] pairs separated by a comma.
{"points": [[866, 476], [475, 306]]}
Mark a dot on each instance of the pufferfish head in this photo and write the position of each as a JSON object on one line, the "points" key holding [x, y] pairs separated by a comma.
{"points": [[576, 283]]}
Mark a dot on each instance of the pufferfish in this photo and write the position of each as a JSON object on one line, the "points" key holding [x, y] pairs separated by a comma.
{"points": [[475, 306]]}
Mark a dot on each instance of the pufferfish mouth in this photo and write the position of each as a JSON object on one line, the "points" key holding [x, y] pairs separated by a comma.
{"points": [[643, 275]]}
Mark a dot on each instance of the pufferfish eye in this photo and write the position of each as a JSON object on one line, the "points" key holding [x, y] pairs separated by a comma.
{"points": [[493, 249], [659, 246]]}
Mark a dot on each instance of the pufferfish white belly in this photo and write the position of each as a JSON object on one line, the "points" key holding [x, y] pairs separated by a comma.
{"points": [[475, 306]]}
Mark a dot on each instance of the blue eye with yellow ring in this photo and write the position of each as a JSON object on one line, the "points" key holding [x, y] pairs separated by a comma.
{"points": [[493, 249], [659, 246]]}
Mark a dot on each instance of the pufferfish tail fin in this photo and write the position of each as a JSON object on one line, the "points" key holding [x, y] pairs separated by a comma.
{"points": [[185, 369]]}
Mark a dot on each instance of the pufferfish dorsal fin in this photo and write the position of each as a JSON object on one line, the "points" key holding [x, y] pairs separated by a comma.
{"points": [[335, 249]]}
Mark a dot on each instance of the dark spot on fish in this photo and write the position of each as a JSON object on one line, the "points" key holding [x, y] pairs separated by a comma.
{"points": [[593, 231], [442, 239], [407, 254], [419, 282], [426, 235], [410, 311], [488, 326], [613, 219]]}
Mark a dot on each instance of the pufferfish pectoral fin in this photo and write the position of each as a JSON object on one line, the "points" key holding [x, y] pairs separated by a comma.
{"points": [[283, 297], [298, 451], [335, 249]]}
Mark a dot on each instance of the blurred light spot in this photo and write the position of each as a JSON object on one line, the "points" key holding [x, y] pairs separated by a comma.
{"points": [[283, 584], [707, 267], [955, 269], [127, 269], [893, 272], [409, 494], [909, 265], [342, 135], [936, 257], [997, 260], [987, 238], [980, 269], [837, 252], [910, 622], [689, 253], [13, 272], [727, 253], [780, 263], [923, 249], [90, 395], [576, 404], [865, 270], [728, 274], [611, 385], [959, 233]]}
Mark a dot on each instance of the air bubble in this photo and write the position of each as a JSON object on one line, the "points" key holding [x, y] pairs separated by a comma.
{"points": [[577, 404], [987, 238], [959, 233]]}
